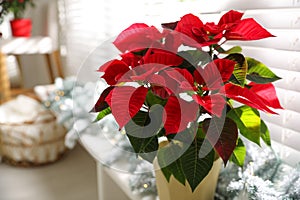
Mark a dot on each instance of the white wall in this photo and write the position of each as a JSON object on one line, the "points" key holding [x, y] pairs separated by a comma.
{"points": [[34, 66]]}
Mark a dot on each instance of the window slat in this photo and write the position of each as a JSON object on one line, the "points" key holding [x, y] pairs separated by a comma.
{"points": [[284, 136], [221, 5], [290, 80], [276, 18], [287, 154], [286, 119], [289, 99]]}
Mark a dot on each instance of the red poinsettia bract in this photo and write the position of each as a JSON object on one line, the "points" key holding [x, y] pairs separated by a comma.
{"points": [[230, 26]]}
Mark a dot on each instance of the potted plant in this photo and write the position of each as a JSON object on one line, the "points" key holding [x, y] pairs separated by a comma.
{"points": [[20, 26], [186, 101], [3, 10]]}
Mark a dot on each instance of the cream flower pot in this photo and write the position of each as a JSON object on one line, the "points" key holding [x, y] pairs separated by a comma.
{"points": [[174, 190]]}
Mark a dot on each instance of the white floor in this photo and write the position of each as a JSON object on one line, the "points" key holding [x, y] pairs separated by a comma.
{"points": [[71, 178]]}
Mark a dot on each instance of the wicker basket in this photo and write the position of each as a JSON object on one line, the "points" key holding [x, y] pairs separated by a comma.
{"points": [[36, 142]]}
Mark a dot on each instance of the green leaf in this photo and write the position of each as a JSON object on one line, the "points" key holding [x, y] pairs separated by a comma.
{"points": [[222, 134], [259, 73], [152, 99], [144, 147], [193, 58], [240, 69], [248, 122], [235, 49], [188, 135], [102, 114], [234, 80], [239, 153], [265, 133], [196, 168], [142, 133], [168, 159], [200, 132], [167, 173], [185, 162]]}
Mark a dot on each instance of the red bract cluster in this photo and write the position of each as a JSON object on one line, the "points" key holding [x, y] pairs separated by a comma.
{"points": [[153, 59], [230, 27]]}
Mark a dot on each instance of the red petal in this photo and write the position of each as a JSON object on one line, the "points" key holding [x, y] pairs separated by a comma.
{"points": [[247, 29], [222, 135], [153, 62], [212, 28], [214, 104], [225, 68], [209, 76], [215, 73], [136, 37], [187, 22], [156, 79], [171, 85], [230, 17], [198, 73], [178, 113], [144, 72], [245, 96], [267, 94], [113, 71], [173, 41], [101, 103], [187, 25], [125, 102], [160, 91], [163, 57], [183, 77], [131, 59]]}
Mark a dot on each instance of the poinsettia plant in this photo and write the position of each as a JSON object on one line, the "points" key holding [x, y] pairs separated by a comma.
{"points": [[16, 7], [180, 84]]}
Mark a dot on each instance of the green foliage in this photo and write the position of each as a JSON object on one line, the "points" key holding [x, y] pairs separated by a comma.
{"points": [[142, 132], [265, 133], [259, 73], [17, 7], [4, 10], [168, 160], [239, 153], [152, 99], [193, 58], [240, 69], [102, 114], [248, 121], [194, 165], [185, 162]]}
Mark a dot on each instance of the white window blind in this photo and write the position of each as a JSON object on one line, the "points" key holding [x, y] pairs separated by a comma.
{"points": [[86, 24], [89, 22]]}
